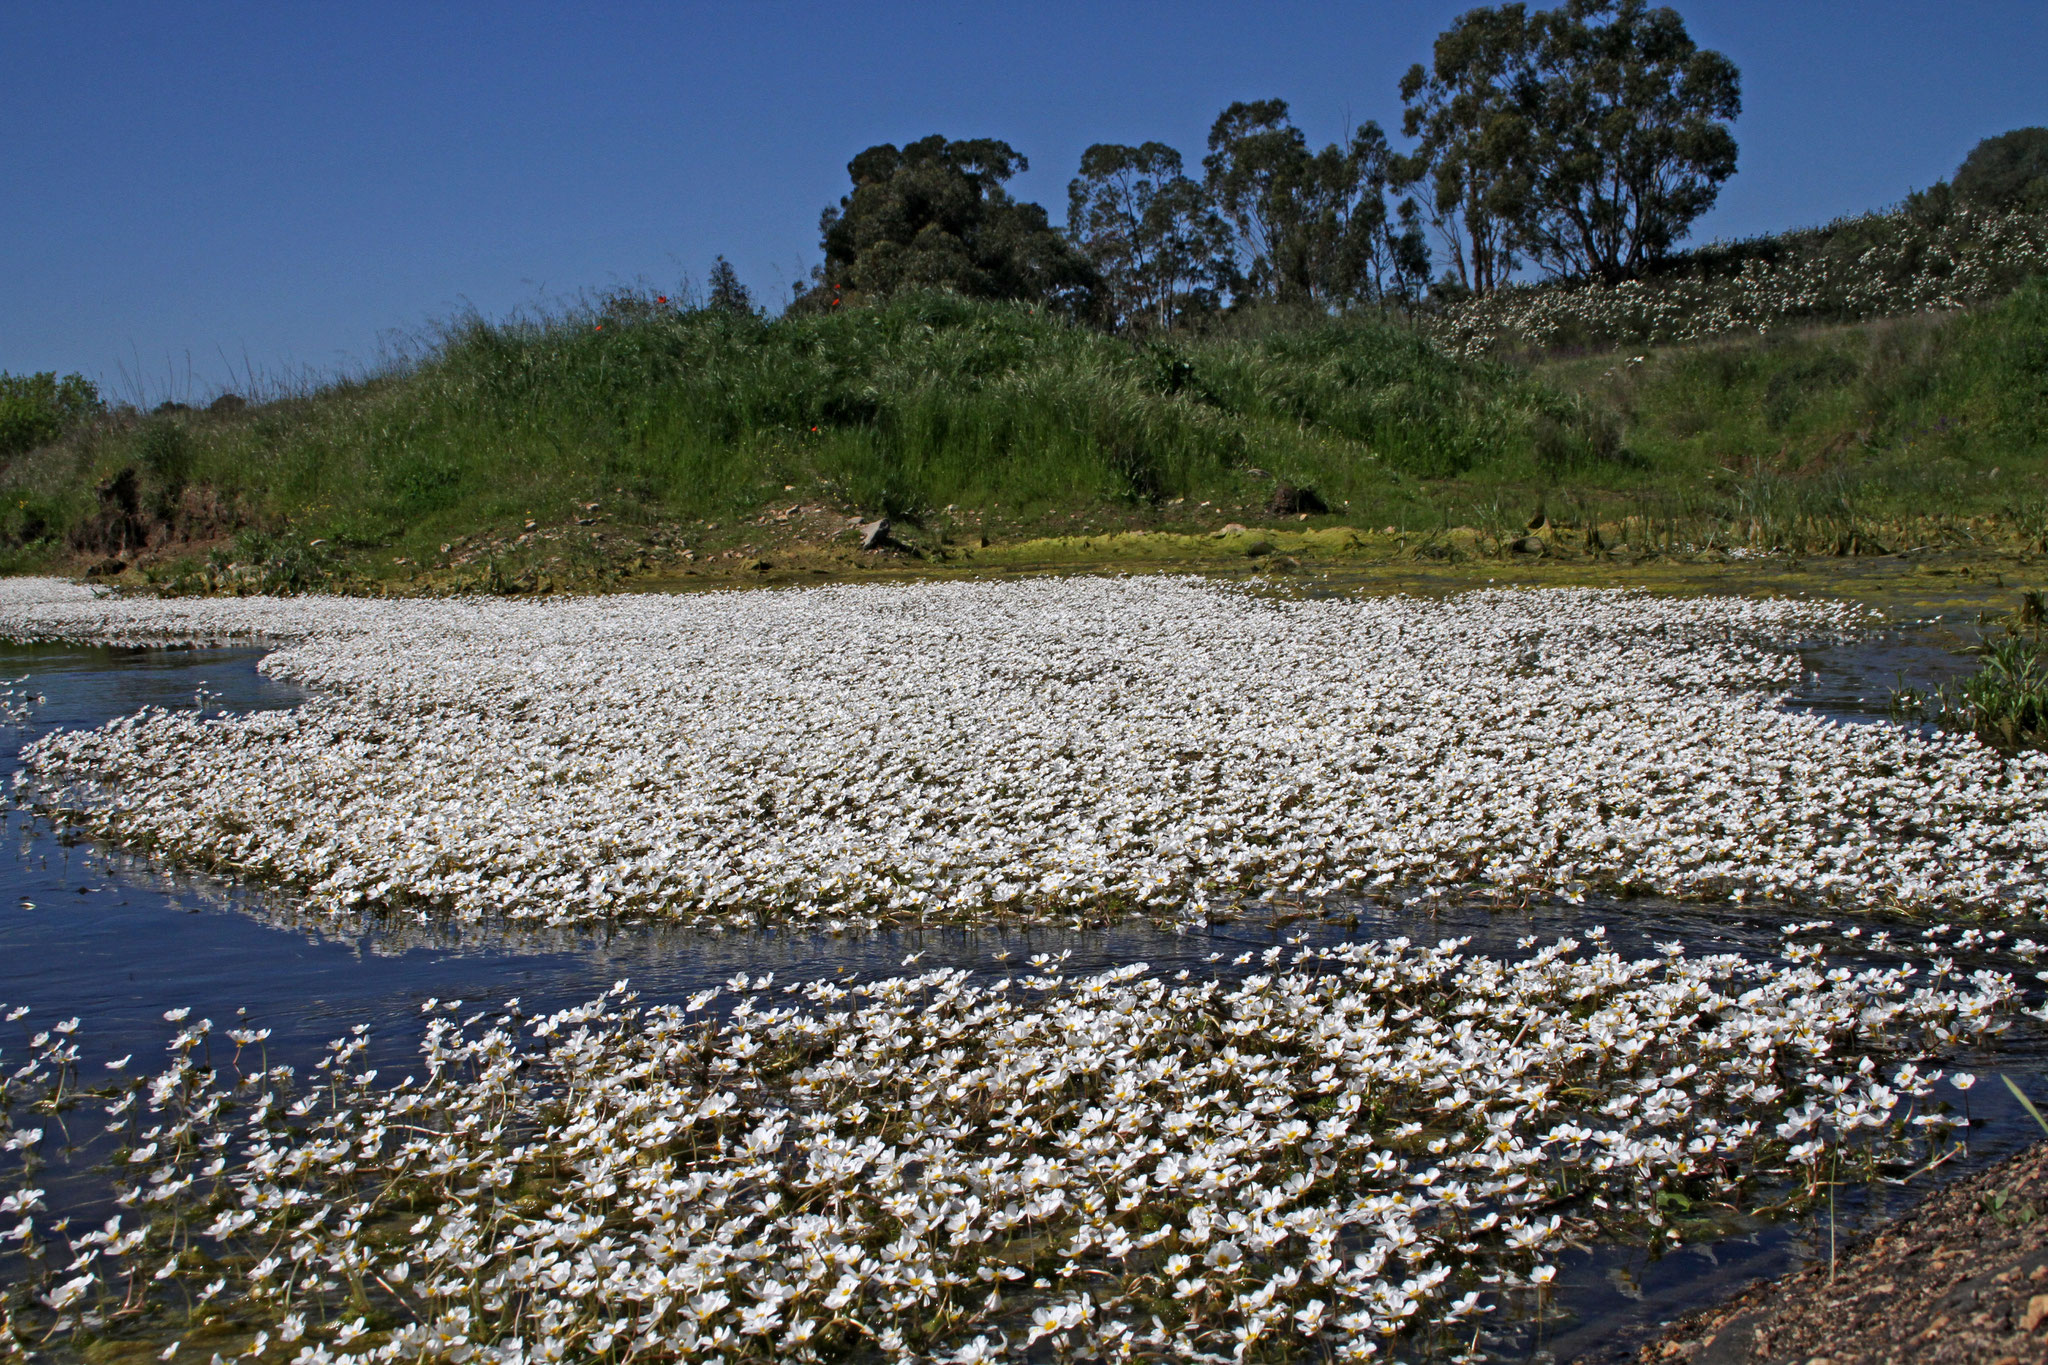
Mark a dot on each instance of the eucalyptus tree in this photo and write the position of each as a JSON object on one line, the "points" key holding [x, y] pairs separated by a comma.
{"points": [[1586, 139], [1465, 108], [1307, 226], [1630, 142], [1161, 250]]}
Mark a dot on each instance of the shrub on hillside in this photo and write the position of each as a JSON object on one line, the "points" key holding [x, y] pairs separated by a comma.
{"points": [[2007, 172], [36, 409], [1935, 253]]}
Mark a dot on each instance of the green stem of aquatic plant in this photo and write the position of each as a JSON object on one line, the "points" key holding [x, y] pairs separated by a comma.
{"points": [[2025, 1103]]}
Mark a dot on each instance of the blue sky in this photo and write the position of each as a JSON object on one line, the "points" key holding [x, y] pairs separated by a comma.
{"points": [[197, 192]]}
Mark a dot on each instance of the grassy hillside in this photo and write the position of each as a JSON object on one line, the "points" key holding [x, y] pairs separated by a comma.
{"points": [[1932, 253], [637, 439]]}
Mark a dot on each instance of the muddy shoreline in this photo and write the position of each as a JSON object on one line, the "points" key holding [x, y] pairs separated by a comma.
{"points": [[1961, 1278]]}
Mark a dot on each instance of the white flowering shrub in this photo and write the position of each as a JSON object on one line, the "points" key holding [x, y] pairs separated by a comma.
{"points": [[1968, 256], [846, 756], [1362, 1145]]}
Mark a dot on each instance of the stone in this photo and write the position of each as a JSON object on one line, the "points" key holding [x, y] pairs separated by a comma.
{"points": [[874, 535], [1235, 528], [2037, 1312], [1288, 501]]}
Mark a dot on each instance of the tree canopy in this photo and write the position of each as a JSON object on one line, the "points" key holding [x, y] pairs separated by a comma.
{"points": [[2009, 171], [1310, 226], [1466, 110], [933, 214], [1583, 140], [1161, 251], [1586, 138]]}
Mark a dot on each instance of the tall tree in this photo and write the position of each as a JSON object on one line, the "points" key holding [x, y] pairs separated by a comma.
{"points": [[934, 214], [1310, 226], [1358, 245], [1473, 151], [1158, 245], [1586, 138], [1629, 137], [1254, 171]]}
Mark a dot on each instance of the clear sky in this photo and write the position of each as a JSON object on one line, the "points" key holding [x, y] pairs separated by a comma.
{"points": [[195, 192]]}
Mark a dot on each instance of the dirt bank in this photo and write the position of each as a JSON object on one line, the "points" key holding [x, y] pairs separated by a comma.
{"points": [[1963, 1278]]}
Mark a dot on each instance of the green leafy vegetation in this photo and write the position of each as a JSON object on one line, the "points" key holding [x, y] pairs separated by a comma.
{"points": [[934, 214], [893, 410], [2007, 172], [2003, 703], [935, 410], [35, 408]]}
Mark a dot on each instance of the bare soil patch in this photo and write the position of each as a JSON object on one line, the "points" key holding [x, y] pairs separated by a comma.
{"points": [[1963, 1278]]}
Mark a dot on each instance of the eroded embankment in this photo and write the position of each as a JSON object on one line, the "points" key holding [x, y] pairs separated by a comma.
{"points": [[1962, 1280]]}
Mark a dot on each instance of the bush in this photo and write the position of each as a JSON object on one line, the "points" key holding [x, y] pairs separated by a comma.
{"points": [[165, 450], [36, 409], [2005, 702], [1933, 254], [2008, 172]]}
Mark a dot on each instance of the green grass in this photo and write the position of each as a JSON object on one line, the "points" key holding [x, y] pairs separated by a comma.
{"points": [[1931, 429], [1842, 438], [2005, 701]]}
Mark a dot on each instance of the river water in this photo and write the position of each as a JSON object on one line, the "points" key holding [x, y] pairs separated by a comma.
{"points": [[97, 933]]}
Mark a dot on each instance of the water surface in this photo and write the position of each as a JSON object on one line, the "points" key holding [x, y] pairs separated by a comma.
{"points": [[93, 932]]}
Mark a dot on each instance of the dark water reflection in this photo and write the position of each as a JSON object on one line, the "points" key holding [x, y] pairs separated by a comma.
{"points": [[95, 933], [1855, 681]]}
